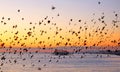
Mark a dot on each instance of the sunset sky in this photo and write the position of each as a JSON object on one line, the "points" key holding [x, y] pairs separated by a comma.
{"points": [[71, 23]]}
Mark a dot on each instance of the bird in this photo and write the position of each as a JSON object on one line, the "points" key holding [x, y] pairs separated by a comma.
{"points": [[99, 2], [53, 7], [18, 10]]}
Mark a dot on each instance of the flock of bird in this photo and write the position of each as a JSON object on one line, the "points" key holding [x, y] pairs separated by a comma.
{"points": [[34, 61], [83, 35]]}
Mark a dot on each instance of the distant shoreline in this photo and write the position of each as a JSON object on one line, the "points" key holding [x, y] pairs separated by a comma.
{"points": [[70, 50]]}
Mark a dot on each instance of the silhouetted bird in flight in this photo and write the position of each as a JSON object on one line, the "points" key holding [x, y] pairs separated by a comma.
{"points": [[53, 7], [18, 10], [99, 2]]}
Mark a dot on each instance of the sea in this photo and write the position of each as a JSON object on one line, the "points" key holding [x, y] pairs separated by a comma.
{"points": [[48, 62]]}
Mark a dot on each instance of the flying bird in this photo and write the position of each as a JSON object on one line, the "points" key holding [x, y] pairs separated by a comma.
{"points": [[99, 2], [53, 7], [19, 10]]}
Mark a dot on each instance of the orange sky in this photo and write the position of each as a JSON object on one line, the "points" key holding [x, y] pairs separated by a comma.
{"points": [[68, 26]]}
